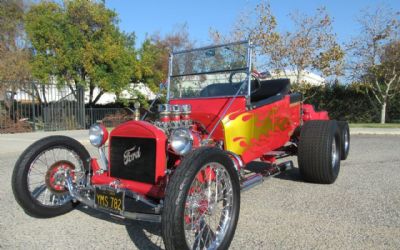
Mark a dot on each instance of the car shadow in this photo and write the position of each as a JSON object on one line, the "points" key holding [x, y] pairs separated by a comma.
{"points": [[101, 215], [290, 175], [144, 235]]}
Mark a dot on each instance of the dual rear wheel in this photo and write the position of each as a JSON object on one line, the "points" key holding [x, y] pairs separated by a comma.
{"points": [[323, 144]]}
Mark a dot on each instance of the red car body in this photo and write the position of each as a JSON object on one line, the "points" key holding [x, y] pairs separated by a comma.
{"points": [[283, 116]]}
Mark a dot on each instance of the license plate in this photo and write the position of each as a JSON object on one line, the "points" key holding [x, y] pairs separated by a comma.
{"points": [[109, 200]]}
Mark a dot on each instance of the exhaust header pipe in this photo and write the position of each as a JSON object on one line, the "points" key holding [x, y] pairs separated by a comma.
{"points": [[255, 179]]}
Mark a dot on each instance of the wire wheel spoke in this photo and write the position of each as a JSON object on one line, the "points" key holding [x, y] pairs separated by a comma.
{"points": [[208, 207], [38, 191], [46, 175]]}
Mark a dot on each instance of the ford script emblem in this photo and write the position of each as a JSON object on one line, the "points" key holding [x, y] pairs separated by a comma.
{"points": [[131, 155]]}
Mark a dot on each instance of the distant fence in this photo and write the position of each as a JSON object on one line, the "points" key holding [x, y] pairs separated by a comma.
{"points": [[110, 117], [47, 107]]}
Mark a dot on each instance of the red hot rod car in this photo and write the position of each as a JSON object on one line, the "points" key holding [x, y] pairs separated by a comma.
{"points": [[186, 167]]}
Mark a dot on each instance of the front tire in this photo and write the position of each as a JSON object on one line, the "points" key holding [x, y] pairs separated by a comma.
{"points": [[319, 151], [37, 180], [202, 202]]}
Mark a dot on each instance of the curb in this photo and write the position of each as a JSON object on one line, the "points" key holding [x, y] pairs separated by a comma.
{"points": [[374, 131]]}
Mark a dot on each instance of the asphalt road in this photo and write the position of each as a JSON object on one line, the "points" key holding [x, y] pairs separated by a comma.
{"points": [[361, 210]]}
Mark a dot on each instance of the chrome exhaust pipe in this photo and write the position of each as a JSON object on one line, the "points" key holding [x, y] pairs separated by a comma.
{"points": [[142, 217], [251, 182], [255, 179]]}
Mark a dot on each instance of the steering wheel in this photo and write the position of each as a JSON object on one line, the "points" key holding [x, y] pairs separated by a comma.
{"points": [[234, 73], [254, 75], [257, 82]]}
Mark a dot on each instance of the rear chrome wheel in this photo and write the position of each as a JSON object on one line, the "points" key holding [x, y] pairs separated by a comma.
{"points": [[38, 180], [344, 139], [335, 153], [202, 202]]}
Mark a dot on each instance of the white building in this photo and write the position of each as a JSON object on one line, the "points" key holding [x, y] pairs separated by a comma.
{"points": [[110, 97], [54, 93], [305, 76]]}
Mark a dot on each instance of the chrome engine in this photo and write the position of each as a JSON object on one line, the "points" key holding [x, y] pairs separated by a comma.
{"points": [[173, 116]]}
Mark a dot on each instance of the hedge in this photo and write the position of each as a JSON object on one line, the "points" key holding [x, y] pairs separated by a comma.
{"points": [[349, 102]]}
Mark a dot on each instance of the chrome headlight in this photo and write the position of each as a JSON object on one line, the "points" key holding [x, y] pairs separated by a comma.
{"points": [[181, 141], [98, 135]]}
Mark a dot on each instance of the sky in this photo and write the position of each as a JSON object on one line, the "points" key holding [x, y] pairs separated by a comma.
{"points": [[145, 17]]}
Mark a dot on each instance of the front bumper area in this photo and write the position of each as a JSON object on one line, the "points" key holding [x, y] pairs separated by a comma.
{"points": [[86, 195]]}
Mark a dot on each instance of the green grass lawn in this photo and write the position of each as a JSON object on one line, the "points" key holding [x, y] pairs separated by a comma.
{"points": [[374, 125]]}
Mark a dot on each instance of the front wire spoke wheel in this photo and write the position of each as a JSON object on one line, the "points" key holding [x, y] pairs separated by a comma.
{"points": [[208, 205], [46, 175], [202, 202], [39, 176]]}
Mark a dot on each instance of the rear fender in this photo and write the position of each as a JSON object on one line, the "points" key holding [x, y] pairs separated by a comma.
{"points": [[309, 113]]}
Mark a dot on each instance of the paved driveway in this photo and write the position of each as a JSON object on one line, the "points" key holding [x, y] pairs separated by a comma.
{"points": [[360, 211]]}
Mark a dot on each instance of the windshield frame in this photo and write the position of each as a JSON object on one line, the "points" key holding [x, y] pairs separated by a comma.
{"points": [[247, 69]]}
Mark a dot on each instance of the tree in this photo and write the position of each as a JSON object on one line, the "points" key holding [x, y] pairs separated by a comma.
{"points": [[14, 54], [155, 51], [13, 50], [153, 70], [78, 44], [310, 46], [375, 55]]}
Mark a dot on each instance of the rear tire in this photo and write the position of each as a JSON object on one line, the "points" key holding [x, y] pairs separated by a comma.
{"points": [[319, 151], [344, 139], [58, 152]]}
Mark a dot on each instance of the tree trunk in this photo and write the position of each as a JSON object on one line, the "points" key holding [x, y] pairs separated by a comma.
{"points": [[91, 89], [383, 112], [36, 93], [44, 94], [298, 76], [97, 98]]}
